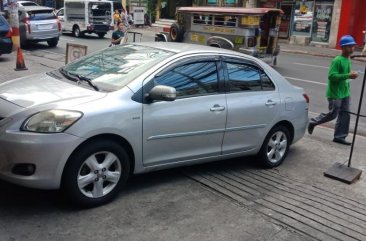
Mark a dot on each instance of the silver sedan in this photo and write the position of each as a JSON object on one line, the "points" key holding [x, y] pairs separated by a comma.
{"points": [[135, 108]]}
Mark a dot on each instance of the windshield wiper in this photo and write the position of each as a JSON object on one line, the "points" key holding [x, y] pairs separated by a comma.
{"points": [[78, 78]]}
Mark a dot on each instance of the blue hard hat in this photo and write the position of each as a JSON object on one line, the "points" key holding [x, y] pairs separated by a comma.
{"points": [[347, 40]]}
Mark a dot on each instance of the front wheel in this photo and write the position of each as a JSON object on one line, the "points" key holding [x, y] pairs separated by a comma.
{"points": [[95, 173], [275, 147]]}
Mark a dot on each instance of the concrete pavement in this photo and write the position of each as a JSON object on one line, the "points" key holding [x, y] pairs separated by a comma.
{"points": [[228, 200]]}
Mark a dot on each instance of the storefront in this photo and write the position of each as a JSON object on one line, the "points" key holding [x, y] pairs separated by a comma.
{"points": [[304, 21]]}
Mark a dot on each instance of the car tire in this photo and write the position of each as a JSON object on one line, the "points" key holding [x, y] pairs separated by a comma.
{"points": [[76, 32], [101, 35], [275, 147], [52, 42], [176, 33], [95, 173]]}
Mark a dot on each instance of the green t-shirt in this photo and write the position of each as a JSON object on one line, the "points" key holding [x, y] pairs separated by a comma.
{"points": [[338, 78]]}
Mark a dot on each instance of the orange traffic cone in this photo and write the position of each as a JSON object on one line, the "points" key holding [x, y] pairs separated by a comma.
{"points": [[20, 65]]}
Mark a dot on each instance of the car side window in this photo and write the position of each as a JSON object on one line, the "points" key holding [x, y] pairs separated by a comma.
{"points": [[199, 78], [244, 77]]}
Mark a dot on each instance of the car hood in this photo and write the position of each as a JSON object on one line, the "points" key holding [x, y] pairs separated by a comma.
{"points": [[41, 89]]}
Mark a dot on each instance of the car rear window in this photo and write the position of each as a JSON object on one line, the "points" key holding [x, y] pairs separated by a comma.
{"points": [[41, 15]]}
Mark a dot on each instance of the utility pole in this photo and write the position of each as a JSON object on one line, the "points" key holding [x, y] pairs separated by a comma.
{"points": [[14, 22]]}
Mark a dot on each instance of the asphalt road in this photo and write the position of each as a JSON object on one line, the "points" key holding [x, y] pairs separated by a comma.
{"points": [[310, 73]]}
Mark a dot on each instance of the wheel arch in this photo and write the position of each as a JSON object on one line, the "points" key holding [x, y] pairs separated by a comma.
{"points": [[289, 127], [113, 137]]}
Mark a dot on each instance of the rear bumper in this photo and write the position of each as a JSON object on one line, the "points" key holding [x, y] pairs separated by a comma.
{"points": [[39, 37]]}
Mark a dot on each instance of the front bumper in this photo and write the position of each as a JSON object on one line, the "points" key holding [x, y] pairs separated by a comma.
{"points": [[48, 152]]}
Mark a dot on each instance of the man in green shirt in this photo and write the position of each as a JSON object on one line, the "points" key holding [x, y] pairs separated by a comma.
{"points": [[338, 93]]}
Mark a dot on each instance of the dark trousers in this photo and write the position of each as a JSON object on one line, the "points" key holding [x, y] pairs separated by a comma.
{"points": [[337, 108]]}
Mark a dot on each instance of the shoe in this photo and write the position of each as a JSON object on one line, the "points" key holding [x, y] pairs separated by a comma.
{"points": [[311, 126], [342, 141]]}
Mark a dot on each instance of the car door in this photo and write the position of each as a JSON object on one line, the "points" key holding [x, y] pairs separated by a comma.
{"points": [[190, 127], [253, 105]]}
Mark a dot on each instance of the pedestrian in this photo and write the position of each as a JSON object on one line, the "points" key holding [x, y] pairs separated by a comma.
{"points": [[118, 35], [338, 93], [116, 18]]}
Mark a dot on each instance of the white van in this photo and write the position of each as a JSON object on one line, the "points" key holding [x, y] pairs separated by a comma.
{"points": [[86, 16]]}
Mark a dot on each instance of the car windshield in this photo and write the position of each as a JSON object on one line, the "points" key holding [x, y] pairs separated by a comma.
{"points": [[115, 67]]}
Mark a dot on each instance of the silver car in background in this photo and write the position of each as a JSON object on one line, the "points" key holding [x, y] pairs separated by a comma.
{"points": [[137, 108], [38, 24]]}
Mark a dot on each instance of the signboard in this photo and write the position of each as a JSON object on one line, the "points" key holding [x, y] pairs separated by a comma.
{"points": [[250, 20], [139, 15], [322, 22], [74, 51]]}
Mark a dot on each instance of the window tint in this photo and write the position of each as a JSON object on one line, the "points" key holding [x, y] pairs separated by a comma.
{"points": [[191, 79], [247, 78], [41, 15]]}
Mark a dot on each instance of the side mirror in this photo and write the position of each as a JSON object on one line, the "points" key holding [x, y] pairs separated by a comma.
{"points": [[162, 92]]}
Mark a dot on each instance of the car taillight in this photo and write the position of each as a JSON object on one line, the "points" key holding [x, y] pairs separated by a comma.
{"points": [[27, 24], [307, 100], [9, 33]]}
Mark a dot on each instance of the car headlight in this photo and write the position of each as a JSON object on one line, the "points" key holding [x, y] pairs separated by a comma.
{"points": [[51, 121]]}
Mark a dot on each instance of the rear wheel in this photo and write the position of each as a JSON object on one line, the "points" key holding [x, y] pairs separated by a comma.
{"points": [[95, 173], [76, 32], [176, 34], [275, 147], [53, 42]]}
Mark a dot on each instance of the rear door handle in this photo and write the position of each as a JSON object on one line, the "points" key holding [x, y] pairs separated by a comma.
{"points": [[217, 108]]}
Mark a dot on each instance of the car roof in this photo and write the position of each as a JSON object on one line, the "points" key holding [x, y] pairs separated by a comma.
{"points": [[34, 8]]}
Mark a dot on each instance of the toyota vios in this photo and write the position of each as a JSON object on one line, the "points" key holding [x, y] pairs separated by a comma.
{"points": [[135, 108]]}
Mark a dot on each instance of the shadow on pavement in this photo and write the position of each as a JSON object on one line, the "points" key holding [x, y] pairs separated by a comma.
{"points": [[34, 200]]}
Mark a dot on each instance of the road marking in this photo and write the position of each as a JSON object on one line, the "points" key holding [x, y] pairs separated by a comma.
{"points": [[319, 66], [307, 81], [316, 66]]}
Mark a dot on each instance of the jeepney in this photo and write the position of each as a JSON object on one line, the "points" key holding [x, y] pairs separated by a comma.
{"points": [[252, 31]]}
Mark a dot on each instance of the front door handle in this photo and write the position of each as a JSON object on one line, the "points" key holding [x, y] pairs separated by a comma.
{"points": [[217, 108], [270, 103]]}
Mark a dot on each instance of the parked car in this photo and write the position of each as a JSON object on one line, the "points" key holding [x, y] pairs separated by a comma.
{"points": [[39, 24], [26, 3], [6, 43], [142, 107]]}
